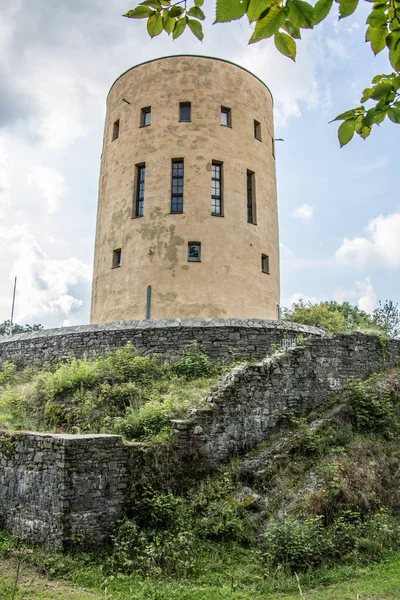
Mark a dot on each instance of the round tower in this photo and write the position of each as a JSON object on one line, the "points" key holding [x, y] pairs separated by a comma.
{"points": [[187, 221]]}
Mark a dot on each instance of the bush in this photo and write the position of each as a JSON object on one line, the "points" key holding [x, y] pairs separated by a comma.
{"points": [[372, 405], [7, 373], [194, 363]]}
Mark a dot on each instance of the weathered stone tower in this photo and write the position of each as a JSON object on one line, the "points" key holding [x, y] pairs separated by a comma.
{"points": [[187, 216]]}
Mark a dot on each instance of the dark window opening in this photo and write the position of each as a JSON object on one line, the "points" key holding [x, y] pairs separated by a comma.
{"points": [[265, 263], [115, 130], [145, 118], [140, 179], [194, 252], [216, 189], [226, 116], [185, 111], [273, 147], [177, 186], [116, 261], [257, 130], [251, 198]]}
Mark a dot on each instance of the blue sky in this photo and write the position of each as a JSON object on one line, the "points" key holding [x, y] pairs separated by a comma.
{"points": [[339, 210]]}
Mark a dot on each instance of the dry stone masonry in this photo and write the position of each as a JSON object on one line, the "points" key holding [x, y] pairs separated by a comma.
{"points": [[224, 340], [57, 489]]}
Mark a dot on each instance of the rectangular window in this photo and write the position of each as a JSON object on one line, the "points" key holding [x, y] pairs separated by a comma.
{"points": [[116, 261], [115, 130], [177, 186], [257, 130], [226, 118], [251, 198], [216, 189], [194, 252], [140, 179], [145, 116], [273, 147], [185, 111], [265, 263]]}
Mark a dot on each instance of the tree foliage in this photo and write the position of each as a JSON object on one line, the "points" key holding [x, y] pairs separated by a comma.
{"points": [[345, 317], [8, 328], [283, 20]]}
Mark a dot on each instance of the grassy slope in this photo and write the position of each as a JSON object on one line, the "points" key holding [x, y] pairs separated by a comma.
{"points": [[377, 582]]}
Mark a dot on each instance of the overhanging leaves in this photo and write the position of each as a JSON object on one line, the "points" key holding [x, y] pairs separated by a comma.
{"points": [[269, 25], [346, 132], [285, 44], [301, 14], [230, 10]]}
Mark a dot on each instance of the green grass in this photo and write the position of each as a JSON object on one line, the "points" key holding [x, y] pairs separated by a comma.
{"points": [[234, 577]]}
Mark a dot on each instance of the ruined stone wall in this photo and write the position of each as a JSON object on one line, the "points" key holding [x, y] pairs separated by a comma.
{"points": [[247, 405], [224, 340], [62, 489]]}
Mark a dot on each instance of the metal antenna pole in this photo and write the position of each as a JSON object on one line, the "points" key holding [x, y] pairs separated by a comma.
{"points": [[13, 305]]}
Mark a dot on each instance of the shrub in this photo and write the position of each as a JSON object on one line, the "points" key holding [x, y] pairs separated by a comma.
{"points": [[194, 363], [7, 373], [372, 405]]}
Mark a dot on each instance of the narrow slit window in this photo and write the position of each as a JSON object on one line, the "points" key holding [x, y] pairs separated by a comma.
{"points": [[140, 180], [185, 111], [216, 189], [257, 130], [265, 263], [273, 147], [145, 118], [194, 252], [177, 186], [115, 134], [251, 198], [116, 259], [226, 116]]}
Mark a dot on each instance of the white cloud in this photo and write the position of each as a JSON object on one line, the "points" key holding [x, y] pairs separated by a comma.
{"points": [[305, 212], [363, 293], [50, 183], [380, 249], [45, 285], [297, 296]]}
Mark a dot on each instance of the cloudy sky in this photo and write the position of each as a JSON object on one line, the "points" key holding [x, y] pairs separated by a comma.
{"points": [[339, 209]]}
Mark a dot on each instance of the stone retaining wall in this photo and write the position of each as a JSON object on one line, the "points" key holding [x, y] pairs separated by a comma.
{"points": [[222, 339], [249, 402]]}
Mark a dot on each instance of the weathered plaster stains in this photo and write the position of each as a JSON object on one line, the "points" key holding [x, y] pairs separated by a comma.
{"points": [[170, 297], [228, 281]]}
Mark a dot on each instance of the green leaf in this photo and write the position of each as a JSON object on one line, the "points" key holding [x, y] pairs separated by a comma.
{"points": [[196, 28], [346, 115], [199, 3], [269, 24], [230, 10], [377, 78], [292, 30], [301, 14], [365, 131], [377, 18], [321, 10], [180, 26], [393, 43], [366, 94], [256, 8], [176, 11], [381, 91], [155, 24], [394, 115], [196, 12], [347, 7], [140, 12], [358, 125], [346, 132], [377, 36], [285, 44], [169, 23], [153, 3]]}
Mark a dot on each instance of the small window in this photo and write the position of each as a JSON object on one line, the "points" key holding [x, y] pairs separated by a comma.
{"points": [[115, 130], [140, 180], [194, 254], [265, 263], [216, 189], [273, 147], [257, 130], [185, 111], [145, 118], [251, 198], [226, 118], [177, 186], [116, 261]]}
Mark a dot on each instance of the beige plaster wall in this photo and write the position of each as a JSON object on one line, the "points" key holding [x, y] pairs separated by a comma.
{"points": [[228, 282]]}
